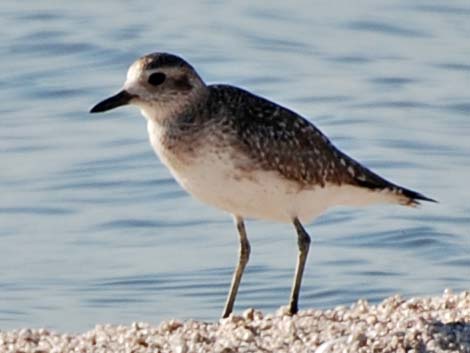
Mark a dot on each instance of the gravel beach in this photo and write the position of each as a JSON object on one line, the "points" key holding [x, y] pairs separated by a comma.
{"points": [[427, 324]]}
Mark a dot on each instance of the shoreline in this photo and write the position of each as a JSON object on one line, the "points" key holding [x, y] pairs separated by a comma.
{"points": [[419, 324]]}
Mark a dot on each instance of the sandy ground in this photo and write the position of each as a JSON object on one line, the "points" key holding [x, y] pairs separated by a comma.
{"points": [[435, 324]]}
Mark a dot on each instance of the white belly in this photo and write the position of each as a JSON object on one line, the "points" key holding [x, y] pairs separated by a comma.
{"points": [[213, 178]]}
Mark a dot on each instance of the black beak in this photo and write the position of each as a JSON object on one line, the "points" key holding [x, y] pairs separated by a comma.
{"points": [[119, 99]]}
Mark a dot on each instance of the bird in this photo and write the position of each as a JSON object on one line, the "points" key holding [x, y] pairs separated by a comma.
{"points": [[247, 155]]}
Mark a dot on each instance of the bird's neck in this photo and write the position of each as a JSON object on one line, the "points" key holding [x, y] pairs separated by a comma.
{"points": [[173, 124]]}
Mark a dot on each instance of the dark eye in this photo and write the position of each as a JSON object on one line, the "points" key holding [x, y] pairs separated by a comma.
{"points": [[156, 78]]}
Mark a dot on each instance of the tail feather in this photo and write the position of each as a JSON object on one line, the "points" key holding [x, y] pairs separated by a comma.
{"points": [[405, 196], [365, 178], [415, 196]]}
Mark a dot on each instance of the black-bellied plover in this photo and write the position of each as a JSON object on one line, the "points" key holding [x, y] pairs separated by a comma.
{"points": [[246, 155]]}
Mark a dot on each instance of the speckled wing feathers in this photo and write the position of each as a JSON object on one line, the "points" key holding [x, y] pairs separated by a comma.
{"points": [[278, 139]]}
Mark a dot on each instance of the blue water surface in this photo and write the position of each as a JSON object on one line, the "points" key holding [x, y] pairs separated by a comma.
{"points": [[93, 229]]}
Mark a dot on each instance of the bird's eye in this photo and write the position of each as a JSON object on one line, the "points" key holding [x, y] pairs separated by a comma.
{"points": [[157, 78]]}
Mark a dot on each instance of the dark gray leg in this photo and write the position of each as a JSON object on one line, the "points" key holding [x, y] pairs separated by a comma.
{"points": [[244, 255], [303, 241]]}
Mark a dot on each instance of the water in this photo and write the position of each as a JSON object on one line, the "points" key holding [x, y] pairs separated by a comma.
{"points": [[94, 230]]}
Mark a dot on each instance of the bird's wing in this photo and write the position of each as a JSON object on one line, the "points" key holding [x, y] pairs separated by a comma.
{"points": [[279, 139]]}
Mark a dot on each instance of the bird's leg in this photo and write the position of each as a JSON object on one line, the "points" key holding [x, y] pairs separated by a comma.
{"points": [[244, 255], [303, 242]]}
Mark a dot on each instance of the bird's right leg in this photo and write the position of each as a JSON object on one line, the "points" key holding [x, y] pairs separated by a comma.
{"points": [[303, 242], [244, 255]]}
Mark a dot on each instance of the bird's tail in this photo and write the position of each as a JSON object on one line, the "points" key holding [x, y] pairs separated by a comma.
{"points": [[382, 189], [400, 195], [409, 197], [394, 193]]}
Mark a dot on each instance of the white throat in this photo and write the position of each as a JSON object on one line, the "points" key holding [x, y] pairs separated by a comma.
{"points": [[157, 112]]}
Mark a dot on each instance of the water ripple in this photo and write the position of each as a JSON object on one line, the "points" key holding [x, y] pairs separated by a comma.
{"points": [[385, 28], [51, 211], [141, 223]]}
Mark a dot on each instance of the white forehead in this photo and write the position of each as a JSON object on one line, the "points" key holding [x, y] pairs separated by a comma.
{"points": [[135, 71]]}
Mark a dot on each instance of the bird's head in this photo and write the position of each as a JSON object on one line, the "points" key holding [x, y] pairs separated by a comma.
{"points": [[160, 84]]}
